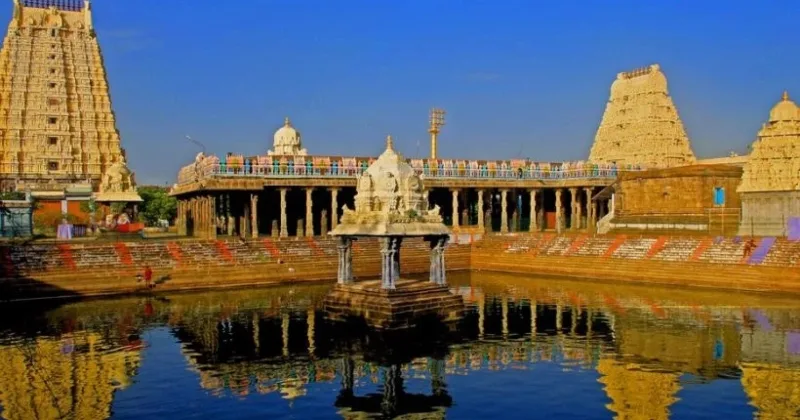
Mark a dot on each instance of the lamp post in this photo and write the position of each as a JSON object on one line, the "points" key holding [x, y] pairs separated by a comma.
{"points": [[436, 123], [202, 146]]}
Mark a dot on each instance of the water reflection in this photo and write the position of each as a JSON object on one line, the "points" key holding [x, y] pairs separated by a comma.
{"points": [[650, 353]]}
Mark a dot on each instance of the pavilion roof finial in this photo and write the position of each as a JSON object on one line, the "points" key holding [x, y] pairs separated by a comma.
{"points": [[286, 122], [389, 143], [785, 96]]}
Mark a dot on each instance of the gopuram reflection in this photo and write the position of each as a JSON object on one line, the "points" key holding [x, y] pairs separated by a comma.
{"points": [[391, 204]]}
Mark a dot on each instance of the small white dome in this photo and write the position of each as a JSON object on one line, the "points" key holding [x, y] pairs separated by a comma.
{"points": [[286, 141]]}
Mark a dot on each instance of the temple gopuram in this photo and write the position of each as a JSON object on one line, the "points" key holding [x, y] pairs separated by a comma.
{"points": [[770, 187], [58, 136]]}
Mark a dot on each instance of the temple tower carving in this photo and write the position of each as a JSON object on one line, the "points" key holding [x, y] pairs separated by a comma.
{"points": [[640, 124], [56, 120]]}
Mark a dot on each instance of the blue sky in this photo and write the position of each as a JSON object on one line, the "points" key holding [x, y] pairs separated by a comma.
{"points": [[517, 78]]}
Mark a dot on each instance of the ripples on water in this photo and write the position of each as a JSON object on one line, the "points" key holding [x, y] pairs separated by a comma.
{"points": [[525, 349]]}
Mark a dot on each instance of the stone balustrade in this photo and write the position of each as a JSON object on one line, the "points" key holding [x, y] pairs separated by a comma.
{"points": [[343, 167]]}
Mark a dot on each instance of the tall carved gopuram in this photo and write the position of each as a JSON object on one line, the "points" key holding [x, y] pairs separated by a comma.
{"points": [[56, 122], [640, 124], [770, 188]]}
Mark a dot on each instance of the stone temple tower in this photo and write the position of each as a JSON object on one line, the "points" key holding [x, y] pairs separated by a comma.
{"points": [[56, 122], [641, 124], [770, 188]]}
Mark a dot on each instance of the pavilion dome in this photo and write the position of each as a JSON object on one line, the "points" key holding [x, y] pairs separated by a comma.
{"points": [[390, 201], [286, 141], [785, 110]]}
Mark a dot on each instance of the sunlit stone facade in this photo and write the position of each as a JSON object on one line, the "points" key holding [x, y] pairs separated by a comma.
{"points": [[56, 121], [770, 188]]}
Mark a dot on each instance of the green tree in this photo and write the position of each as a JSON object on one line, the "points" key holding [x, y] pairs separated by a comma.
{"points": [[156, 204]]}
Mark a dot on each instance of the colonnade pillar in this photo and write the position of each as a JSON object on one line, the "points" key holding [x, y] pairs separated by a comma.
{"points": [[285, 333], [559, 212], [480, 210], [455, 207], [310, 322], [345, 248], [503, 211], [334, 208], [481, 315], [180, 221], [589, 209], [437, 274], [309, 212], [254, 215], [533, 226], [504, 315], [211, 217], [573, 219], [284, 228]]}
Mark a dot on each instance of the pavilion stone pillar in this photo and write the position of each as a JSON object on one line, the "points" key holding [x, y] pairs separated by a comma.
{"points": [[594, 214], [390, 262], [559, 211], [284, 223], [345, 273], [480, 209], [309, 212], [532, 226], [533, 318], [254, 215], [559, 318], [574, 206], [503, 211], [438, 269], [455, 207], [230, 222], [334, 208]]}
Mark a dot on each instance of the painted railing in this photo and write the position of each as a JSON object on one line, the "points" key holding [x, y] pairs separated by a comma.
{"points": [[301, 167]]}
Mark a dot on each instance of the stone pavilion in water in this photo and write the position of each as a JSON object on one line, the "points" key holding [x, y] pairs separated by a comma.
{"points": [[390, 205]]}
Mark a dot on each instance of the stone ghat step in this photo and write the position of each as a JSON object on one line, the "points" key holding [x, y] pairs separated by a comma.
{"points": [[747, 278]]}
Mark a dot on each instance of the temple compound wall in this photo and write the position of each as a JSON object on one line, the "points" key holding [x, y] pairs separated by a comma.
{"points": [[641, 124], [63, 269], [770, 189], [698, 197]]}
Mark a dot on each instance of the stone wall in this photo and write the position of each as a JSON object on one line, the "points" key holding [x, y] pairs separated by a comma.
{"points": [[676, 191], [768, 213], [90, 268], [105, 268]]}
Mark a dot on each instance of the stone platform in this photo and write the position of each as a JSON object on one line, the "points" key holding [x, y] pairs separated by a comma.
{"points": [[410, 302]]}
